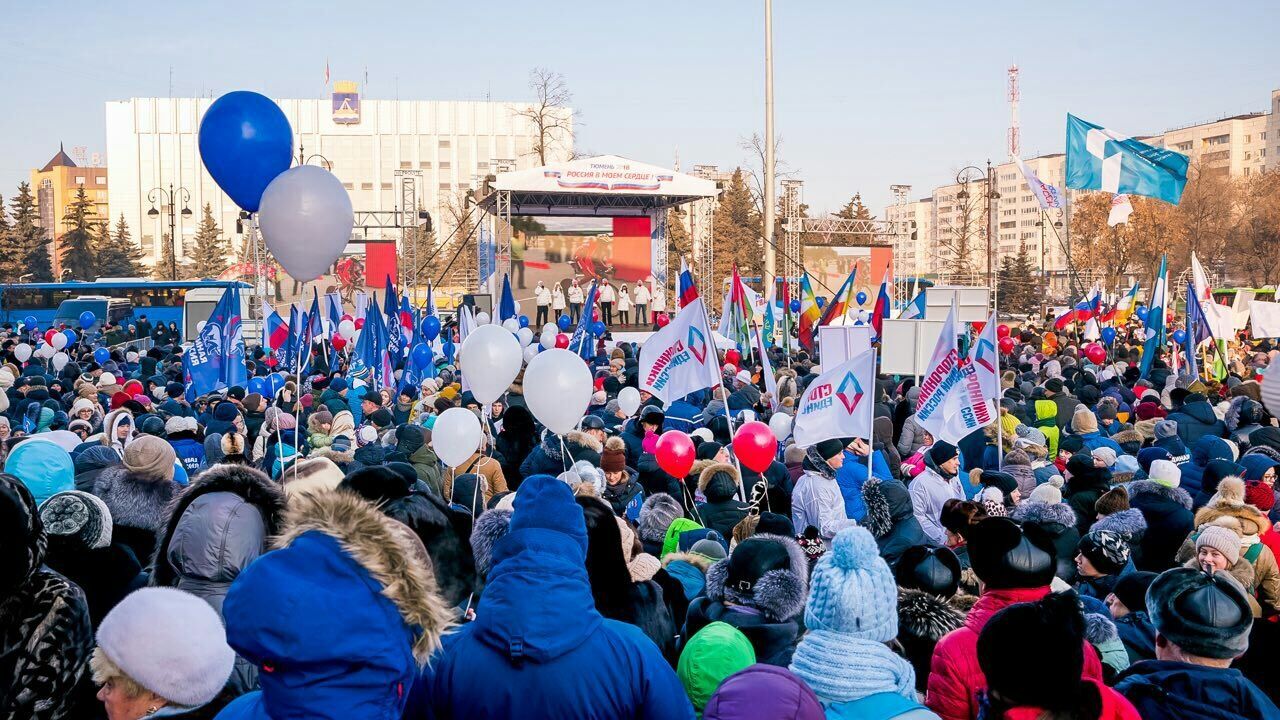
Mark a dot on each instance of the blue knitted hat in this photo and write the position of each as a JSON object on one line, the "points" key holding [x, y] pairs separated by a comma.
{"points": [[852, 591]]}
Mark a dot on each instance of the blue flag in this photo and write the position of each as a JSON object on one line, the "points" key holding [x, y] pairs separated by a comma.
{"points": [[1155, 320], [334, 301], [1102, 159], [216, 358], [391, 309], [582, 341], [507, 305], [316, 324]]}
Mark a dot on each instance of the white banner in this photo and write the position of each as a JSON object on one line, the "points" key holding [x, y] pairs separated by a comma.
{"points": [[951, 403], [680, 358], [984, 356], [1265, 319], [838, 403]]}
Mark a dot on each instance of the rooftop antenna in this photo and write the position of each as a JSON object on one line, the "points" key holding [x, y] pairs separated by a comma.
{"points": [[1014, 96]]}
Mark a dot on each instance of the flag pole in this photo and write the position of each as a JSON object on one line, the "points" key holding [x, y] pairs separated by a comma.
{"points": [[871, 411], [724, 395], [995, 318]]}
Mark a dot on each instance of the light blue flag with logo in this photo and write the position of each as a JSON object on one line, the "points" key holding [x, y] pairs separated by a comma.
{"points": [[1154, 330], [216, 359], [1102, 159]]}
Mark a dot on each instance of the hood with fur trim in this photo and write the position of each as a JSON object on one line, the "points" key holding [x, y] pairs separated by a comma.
{"points": [[926, 616], [1151, 487], [879, 519], [778, 594], [1129, 523], [135, 502], [718, 481], [1044, 513], [341, 458], [1229, 502], [702, 562]]}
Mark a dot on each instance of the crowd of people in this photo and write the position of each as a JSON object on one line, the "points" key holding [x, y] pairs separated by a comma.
{"points": [[1107, 551], [617, 306]]}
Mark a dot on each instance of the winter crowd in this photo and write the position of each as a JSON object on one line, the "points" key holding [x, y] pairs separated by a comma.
{"points": [[1106, 550]]}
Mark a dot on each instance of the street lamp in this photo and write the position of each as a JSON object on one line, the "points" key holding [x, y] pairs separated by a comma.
{"points": [[1044, 271], [305, 159], [169, 198], [963, 178]]}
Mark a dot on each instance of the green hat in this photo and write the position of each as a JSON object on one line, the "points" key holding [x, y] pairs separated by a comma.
{"points": [[713, 654]]}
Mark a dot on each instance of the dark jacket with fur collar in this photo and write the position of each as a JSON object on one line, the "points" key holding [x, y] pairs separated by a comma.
{"points": [[1059, 521], [139, 508], [548, 459], [891, 518], [923, 620], [718, 483], [773, 622], [1169, 521]]}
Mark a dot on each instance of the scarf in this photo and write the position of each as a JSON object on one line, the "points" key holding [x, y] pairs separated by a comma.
{"points": [[841, 668], [818, 464]]}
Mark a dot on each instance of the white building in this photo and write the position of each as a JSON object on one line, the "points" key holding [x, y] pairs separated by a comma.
{"points": [[1271, 136], [371, 146], [1234, 145]]}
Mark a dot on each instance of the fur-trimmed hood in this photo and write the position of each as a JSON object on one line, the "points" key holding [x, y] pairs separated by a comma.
{"points": [[1151, 487], [135, 502], [341, 458], [879, 519], [926, 616], [718, 481], [575, 441], [778, 594], [1129, 523], [1229, 502], [211, 536], [698, 466], [1044, 513], [701, 562]]}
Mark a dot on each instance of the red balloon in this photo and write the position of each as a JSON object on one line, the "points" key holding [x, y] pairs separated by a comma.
{"points": [[338, 342], [733, 357], [562, 341], [347, 317], [360, 324], [1006, 345], [675, 453], [755, 446], [48, 335], [1096, 353], [661, 320], [1002, 331]]}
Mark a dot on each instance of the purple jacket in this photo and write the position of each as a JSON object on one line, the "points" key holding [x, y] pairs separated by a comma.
{"points": [[763, 691]]}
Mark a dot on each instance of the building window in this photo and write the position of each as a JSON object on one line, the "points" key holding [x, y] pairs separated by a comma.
{"points": [[445, 187], [1184, 147], [1248, 138], [445, 144], [406, 165], [446, 165], [366, 186], [349, 186], [79, 179], [424, 165], [386, 186], [1217, 140], [102, 180]]}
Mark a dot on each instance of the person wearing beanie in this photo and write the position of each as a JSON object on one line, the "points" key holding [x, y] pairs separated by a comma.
{"points": [[816, 500], [138, 493], [80, 546], [1049, 493], [760, 588], [1228, 508], [1104, 457], [1111, 502], [1015, 564], [763, 691], [1065, 403], [1086, 482], [47, 637], [850, 614], [1017, 463], [1100, 558], [622, 488], [1000, 491], [161, 648], [719, 483], [1202, 622], [1054, 629], [656, 515], [1127, 604], [933, 487], [713, 654], [529, 648]]}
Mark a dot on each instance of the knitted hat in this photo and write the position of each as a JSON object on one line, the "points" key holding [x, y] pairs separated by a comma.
{"points": [[934, 570], [1165, 473], [150, 458], [852, 591], [1259, 495], [1083, 421], [828, 449], [1071, 444], [714, 653], [1002, 481], [1166, 429], [1053, 629], [1105, 454], [82, 519], [772, 523], [1131, 589], [1205, 615], [1106, 551], [1222, 539], [614, 457], [1005, 555], [381, 418], [708, 548], [941, 452], [169, 642], [1047, 493], [1112, 501], [1053, 385]]}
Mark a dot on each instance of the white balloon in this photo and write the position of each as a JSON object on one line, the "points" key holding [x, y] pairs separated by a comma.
{"points": [[780, 424], [530, 352], [511, 325], [23, 352], [60, 360], [629, 400], [45, 351], [557, 389], [347, 329], [490, 358], [200, 325], [59, 341], [482, 318], [306, 219], [455, 436], [549, 328], [548, 339], [525, 336]]}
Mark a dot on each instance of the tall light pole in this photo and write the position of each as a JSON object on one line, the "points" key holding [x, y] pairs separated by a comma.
{"points": [[170, 198], [964, 177], [770, 252]]}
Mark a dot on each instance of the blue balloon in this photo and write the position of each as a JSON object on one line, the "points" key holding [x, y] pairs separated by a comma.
{"points": [[101, 355], [30, 322], [598, 328], [421, 355], [862, 298], [1142, 312], [87, 319], [275, 381], [524, 321], [245, 142], [259, 385], [430, 327], [1108, 335], [795, 306], [822, 302], [1180, 337], [72, 338], [564, 322]]}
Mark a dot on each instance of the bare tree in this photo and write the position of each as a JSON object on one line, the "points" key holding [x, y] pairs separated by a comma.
{"points": [[1256, 231], [549, 112], [961, 234]]}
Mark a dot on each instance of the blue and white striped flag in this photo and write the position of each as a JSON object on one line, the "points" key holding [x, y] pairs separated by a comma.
{"points": [[1102, 159]]}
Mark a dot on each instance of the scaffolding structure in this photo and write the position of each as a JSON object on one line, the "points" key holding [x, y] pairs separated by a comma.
{"points": [[792, 205]]}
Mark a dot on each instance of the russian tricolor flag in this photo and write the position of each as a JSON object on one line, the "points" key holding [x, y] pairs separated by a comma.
{"points": [[1090, 308], [275, 331], [881, 310], [688, 290]]}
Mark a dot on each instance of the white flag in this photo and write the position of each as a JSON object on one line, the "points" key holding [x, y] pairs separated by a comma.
{"points": [[1049, 197], [1220, 318], [1121, 209], [984, 356], [839, 403], [951, 404], [679, 358]]}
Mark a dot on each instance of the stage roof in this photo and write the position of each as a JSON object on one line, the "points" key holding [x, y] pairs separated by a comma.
{"points": [[606, 186]]}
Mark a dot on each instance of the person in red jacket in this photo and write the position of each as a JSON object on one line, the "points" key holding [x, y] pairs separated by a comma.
{"points": [[1015, 565], [1052, 631]]}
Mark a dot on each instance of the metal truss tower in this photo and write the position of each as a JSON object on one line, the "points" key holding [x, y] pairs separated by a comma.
{"points": [[792, 203], [1014, 96]]}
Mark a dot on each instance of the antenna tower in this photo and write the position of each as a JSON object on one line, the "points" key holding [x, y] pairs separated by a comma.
{"points": [[1014, 96]]}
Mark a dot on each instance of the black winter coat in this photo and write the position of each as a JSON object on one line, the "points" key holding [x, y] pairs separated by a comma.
{"points": [[105, 575], [1168, 690], [778, 496], [1169, 521], [891, 519], [1082, 492], [1197, 419]]}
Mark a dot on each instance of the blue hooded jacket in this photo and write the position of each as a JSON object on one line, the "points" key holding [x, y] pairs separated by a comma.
{"points": [[1206, 449], [853, 475], [537, 634]]}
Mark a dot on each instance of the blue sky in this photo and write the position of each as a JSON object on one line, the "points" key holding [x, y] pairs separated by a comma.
{"points": [[868, 93]]}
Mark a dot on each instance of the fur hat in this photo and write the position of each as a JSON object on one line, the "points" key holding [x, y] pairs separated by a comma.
{"points": [[1205, 615], [150, 458], [81, 519], [232, 443], [169, 642], [656, 515], [489, 528], [1005, 555], [1112, 501], [614, 457], [768, 573]]}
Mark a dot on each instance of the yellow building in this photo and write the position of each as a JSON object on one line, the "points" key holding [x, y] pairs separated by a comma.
{"points": [[55, 186]]}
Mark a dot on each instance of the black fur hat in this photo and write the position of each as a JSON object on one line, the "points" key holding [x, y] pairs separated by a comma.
{"points": [[765, 572], [1205, 615]]}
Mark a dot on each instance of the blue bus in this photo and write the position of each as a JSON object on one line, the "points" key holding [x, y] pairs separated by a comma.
{"points": [[185, 302]]}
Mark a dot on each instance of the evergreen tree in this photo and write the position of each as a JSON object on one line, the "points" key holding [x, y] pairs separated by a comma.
{"points": [[118, 255], [9, 259], [78, 260], [855, 210], [209, 254], [738, 234], [30, 243], [1019, 285], [164, 267]]}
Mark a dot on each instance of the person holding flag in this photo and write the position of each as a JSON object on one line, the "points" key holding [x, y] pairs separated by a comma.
{"points": [[216, 358]]}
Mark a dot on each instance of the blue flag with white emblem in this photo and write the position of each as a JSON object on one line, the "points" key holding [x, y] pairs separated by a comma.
{"points": [[216, 359], [1102, 159]]}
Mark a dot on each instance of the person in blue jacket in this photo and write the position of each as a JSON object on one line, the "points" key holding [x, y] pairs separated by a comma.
{"points": [[1084, 424], [537, 634], [853, 475]]}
